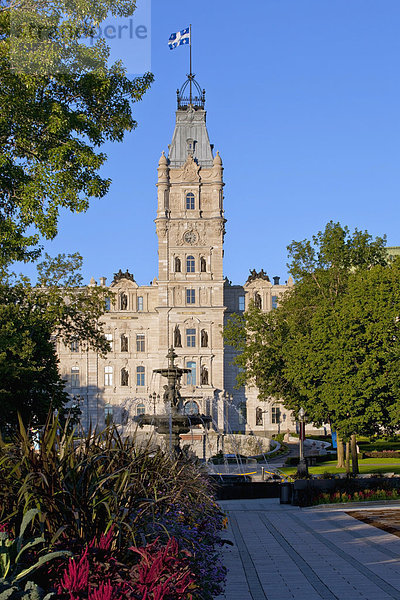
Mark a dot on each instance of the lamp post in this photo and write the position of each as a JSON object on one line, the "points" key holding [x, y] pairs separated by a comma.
{"points": [[154, 397], [302, 468]]}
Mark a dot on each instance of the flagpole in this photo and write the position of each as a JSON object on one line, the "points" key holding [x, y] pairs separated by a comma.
{"points": [[190, 70]]}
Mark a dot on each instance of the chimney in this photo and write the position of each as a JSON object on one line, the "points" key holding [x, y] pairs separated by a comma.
{"points": [[103, 281], [276, 280]]}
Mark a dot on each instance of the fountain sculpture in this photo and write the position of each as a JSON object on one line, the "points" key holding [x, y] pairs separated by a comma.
{"points": [[174, 421]]}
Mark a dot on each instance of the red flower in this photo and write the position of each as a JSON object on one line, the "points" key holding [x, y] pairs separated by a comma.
{"points": [[76, 576]]}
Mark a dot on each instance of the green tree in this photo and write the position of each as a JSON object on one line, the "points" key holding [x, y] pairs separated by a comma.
{"points": [[32, 319], [59, 102], [318, 349]]}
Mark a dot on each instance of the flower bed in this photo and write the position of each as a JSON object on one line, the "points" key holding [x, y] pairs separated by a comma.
{"points": [[357, 496], [136, 523]]}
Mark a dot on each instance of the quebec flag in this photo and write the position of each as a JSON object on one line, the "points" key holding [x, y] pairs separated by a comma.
{"points": [[179, 39]]}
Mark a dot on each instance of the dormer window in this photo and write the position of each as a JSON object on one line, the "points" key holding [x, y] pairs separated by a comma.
{"points": [[190, 146], [190, 201]]}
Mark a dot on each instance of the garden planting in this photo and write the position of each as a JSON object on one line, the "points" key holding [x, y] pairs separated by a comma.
{"points": [[102, 518]]}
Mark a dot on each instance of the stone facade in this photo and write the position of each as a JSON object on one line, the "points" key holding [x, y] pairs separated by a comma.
{"points": [[186, 306]]}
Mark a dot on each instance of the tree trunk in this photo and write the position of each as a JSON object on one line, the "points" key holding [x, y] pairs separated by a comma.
{"points": [[354, 456], [340, 454], [348, 458]]}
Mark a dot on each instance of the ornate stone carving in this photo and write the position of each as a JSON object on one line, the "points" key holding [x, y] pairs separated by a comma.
{"points": [[124, 377], [204, 376], [177, 337], [257, 300], [257, 275], [120, 275], [124, 343], [123, 300], [191, 170], [161, 228]]}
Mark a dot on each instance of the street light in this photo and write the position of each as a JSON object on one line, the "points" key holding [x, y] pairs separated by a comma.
{"points": [[302, 468], [154, 397]]}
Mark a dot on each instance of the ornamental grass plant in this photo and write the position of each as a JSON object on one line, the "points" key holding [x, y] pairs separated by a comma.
{"points": [[98, 485]]}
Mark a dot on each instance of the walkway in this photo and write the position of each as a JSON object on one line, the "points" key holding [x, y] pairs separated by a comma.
{"points": [[282, 552]]}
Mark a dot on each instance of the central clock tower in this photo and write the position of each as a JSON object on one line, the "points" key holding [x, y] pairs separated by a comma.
{"points": [[190, 226]]}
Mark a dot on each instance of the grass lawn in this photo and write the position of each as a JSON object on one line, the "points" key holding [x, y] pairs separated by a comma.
{"points": [[368, 465]]}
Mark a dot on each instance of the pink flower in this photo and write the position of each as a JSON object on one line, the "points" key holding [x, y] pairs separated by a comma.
{"points": [[105, 591], [76, 576]]}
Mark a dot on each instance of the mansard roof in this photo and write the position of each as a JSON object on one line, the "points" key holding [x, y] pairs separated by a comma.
{"points": [[190, 135]]}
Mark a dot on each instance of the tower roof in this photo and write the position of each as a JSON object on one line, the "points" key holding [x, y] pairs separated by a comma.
{"points": [[190, 135]]}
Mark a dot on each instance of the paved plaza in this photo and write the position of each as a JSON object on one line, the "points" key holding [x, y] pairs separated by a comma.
{"points": [[281, 552]]}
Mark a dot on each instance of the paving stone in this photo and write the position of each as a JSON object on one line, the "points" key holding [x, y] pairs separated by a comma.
{"points": [[283, 552]]}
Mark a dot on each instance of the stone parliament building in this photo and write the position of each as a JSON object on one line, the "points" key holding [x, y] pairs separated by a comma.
{"points": [[185, 306]]}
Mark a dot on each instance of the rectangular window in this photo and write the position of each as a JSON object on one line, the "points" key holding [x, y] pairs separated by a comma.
{"points": [[190, 296], [191, 338], [107, 304], [274, 301], [140, 376], [140, 303], [108, 375], [108, 414], [241, 303], [275, 414], [190, 201], [191, 376], [140, 342], [109, 339], [74, 346], [75, 377]]}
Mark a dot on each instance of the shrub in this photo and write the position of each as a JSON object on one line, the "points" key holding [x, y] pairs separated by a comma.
{"points": [[382, 454]]}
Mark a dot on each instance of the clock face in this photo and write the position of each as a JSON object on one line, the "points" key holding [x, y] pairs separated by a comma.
{"points": [[190, 237]]}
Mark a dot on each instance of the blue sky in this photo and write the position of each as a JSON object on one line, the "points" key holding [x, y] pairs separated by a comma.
{"points": [[302, 100]]}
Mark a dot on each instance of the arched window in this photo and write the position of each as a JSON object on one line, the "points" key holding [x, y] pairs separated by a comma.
{"points": [[190, 264], [191, 376], [190, 201], [203, 266], [140, 376], [177, 265], [242, 413], [140, 409], [191, 408]]}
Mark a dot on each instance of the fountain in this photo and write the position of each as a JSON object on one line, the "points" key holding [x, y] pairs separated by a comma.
{"points": [[174, 421]]}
